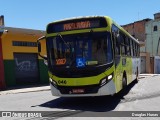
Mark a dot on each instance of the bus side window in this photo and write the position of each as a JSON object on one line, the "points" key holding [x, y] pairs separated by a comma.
{"points": [[138, 50], [128, 47], [131, 47], [123, 49], [117, 45], [116, 39], [135, 49], [123, 46]]}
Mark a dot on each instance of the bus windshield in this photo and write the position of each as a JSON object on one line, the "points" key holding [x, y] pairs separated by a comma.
{"points": [[80, 50]]}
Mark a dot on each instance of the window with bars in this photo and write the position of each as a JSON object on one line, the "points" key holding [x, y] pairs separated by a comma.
{"points": [[24, 43], [155, 28]]}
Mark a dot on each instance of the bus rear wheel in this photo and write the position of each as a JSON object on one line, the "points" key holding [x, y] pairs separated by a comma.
{"points": [[124, 82]]}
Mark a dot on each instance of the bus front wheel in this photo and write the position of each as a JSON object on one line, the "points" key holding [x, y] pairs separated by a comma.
{"points": [[124, 86]]}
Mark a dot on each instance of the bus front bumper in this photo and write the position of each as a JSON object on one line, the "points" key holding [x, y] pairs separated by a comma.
{"points": [[107, 89]]}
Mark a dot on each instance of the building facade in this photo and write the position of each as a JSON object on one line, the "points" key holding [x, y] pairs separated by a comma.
{"points": [[137, 29], [20, 60], [153, 36], [147, 31], [153, 42]]}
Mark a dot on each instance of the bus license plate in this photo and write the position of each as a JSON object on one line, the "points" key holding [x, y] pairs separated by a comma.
{"points": [[78, 90]]}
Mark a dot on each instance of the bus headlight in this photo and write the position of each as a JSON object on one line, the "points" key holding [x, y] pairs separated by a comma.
{"points": [[103, 82], [50, 79], [53, 82], [110, 77], [106, 80]]}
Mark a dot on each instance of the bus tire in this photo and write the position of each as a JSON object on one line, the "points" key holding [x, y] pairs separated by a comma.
{"points": [[124, 86], [124, 82]]}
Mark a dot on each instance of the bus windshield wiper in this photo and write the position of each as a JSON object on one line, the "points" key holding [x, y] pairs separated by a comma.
{"points": [[63, 40], [70, 48]]}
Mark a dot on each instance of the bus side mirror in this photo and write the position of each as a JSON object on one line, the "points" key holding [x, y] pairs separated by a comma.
{"points": [[39, 47]]}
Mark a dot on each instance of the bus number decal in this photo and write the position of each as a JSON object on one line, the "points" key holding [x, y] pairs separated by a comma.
{"points": [[60, 61], [62, 82]]}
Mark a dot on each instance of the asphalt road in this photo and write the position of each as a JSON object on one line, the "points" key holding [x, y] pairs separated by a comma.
{"points": [[141, 96]]}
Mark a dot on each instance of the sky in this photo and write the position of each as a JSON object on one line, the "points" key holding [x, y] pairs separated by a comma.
{"points": [[36, 14]]}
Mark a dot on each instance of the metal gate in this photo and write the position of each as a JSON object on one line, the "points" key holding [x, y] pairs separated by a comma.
{"points": [[157, 64], [26, 68], [143, 64]]}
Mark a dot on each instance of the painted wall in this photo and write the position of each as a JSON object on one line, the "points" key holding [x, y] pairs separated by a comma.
{"points": [[2, 82], [152, 37], [21, 35], [137, 29]]}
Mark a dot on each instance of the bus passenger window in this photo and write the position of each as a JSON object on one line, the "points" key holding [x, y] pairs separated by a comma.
{"points": [[128, 51], [123, 49], [99, 51], [117, 47], [128, 48], [133, 48]]}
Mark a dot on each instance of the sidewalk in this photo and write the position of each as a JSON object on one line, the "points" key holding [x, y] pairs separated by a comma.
{"points": [[25, 90], [147, 75]]}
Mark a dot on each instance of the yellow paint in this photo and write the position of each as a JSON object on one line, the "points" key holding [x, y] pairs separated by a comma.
{"points": [[93, 80], [79, 31], [24, 35]]}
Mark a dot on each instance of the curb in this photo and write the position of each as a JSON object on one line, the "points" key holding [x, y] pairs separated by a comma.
{"points": [[25, 90], [141, 76]]}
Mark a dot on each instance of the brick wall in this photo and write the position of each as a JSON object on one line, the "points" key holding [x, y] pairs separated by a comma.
{"points": [[137, 29]]}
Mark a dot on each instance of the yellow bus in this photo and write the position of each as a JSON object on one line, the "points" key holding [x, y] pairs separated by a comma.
{"points": [[90, 56]]}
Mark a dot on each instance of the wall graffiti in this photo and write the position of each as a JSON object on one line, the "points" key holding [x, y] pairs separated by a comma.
{"points": [[25, 65], [26, 68]]}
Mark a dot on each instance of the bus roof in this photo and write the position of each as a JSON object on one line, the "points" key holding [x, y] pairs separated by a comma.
{"points": [[77, 18], [106, 17]]}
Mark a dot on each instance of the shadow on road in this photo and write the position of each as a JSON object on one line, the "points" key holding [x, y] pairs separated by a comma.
{"points": [[93, 104]]}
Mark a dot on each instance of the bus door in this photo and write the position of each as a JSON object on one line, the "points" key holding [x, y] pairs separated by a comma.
{"points": [[125, 61], [117, 55], [118, 65]]}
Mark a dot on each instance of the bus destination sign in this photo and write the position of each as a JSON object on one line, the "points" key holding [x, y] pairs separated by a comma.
{"points": [[76, 24]]}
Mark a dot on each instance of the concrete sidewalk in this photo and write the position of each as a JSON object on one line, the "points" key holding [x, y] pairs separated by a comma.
{"points": [[147, 75], [25, 90]]}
